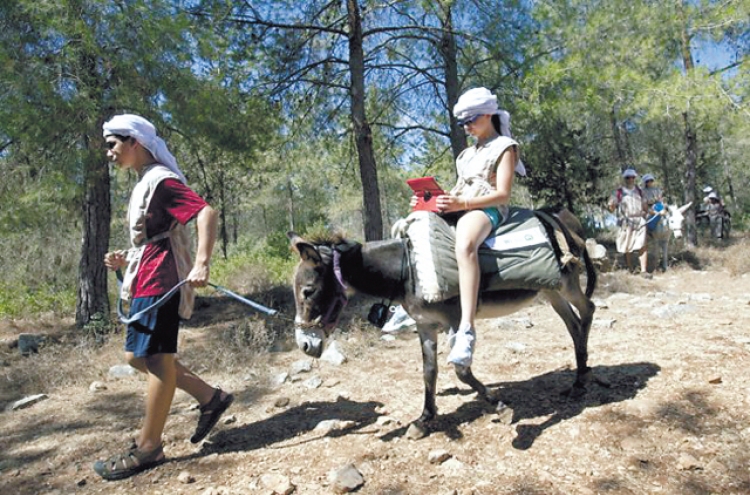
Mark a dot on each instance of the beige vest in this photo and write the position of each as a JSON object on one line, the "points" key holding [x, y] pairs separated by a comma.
{"points": [[179, 237], [477, 168]]}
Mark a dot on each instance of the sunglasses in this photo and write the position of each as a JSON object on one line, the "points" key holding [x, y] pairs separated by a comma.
{"points": [[469, 120]]}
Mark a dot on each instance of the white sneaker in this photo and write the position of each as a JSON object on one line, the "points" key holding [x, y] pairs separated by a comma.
{"points": [[462, 349], [399, 320]]}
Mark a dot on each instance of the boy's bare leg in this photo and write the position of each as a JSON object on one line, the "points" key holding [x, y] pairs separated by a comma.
{"points": [[186, 380], [162, 379]]}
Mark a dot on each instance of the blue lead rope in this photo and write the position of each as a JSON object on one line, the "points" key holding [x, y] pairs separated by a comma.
{"points": [[163, 299]]}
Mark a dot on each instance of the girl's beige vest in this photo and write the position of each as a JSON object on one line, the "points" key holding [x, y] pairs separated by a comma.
{"points": [[178, 234]]}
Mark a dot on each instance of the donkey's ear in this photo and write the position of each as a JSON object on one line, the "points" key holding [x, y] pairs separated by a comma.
{"points": [[306, 251], [683, 208]]}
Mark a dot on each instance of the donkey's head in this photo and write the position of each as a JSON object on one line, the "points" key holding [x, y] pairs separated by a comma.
{"points": [[677, 219], [319, 293]]}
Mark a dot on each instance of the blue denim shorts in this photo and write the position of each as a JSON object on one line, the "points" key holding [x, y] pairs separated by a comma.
{"points": [[156, 331], [494, 215]]}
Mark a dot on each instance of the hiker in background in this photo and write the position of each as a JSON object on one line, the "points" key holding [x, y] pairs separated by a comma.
{"points": [[160, 206], [656, 231], [629, 204], [711, 194], [714, 210]]}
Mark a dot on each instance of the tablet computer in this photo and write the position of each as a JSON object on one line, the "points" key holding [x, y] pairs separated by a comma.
{"points": [[426, 189]]}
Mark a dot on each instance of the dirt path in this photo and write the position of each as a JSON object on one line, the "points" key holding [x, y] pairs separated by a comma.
{"points": [[674, 350]]}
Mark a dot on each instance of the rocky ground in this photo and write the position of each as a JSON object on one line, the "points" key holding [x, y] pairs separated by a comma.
{"points": [[673, 352]]}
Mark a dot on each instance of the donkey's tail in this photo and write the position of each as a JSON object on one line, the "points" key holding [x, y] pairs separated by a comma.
{"points": [[591, 275], [572, 230]]}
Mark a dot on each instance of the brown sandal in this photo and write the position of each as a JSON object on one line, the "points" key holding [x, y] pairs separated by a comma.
{"points": [[127, 464], [210, 414]]}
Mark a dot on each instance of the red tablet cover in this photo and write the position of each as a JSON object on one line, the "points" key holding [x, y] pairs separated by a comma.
{"points": [[426, 189]]}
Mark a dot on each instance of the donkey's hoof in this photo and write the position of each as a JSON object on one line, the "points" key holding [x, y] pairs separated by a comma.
{"points": [[416, 431], [575, 392], [504, 414]]}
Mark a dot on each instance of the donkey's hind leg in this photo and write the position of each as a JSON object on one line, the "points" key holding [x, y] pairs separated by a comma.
{"points": [[563, 301], [664, 245]]}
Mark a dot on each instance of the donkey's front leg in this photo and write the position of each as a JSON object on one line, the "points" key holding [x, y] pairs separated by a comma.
{"points": [[428, 340]]}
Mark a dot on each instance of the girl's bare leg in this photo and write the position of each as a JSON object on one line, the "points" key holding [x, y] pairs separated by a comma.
{"points": [[472, 229]]}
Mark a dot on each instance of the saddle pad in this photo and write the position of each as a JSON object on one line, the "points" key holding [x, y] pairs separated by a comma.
{"points": [[523, 257]]}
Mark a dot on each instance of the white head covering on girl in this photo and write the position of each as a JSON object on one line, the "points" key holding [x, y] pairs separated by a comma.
{"points": [[480, 101], [144, 132]]}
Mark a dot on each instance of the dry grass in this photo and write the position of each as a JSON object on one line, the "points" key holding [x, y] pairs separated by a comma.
{"points": [[65, 360]]}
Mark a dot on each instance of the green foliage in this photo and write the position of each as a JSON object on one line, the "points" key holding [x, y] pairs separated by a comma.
{"points": [[18, 300], [266, 258]]}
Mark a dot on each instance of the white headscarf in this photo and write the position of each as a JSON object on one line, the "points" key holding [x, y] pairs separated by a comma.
{"points": [[144, 132], [480, 101]]}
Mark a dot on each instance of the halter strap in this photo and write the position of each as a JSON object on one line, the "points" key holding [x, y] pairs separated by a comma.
{"points": [[339, 302]]}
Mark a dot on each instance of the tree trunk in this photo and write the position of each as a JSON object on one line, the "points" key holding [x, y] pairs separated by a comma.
{"points": [[691, 140], [368, 172], [618, 139], [664, 160], [728, 175], [223, 233], [290, 206], [691, 157], [92, 301], [448, 51]]}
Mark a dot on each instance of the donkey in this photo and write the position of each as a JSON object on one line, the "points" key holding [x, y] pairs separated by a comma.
{"points": [[661, 228], [329, 270]]}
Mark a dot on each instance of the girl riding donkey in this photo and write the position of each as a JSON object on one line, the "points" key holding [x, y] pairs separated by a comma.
{"points": [[481, 197]]}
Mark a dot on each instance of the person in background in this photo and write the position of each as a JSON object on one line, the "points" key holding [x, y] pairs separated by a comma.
{"points": [[653, 196], [160, 206], [715, 213], [628, 203], [480, 196], [710, 193]]}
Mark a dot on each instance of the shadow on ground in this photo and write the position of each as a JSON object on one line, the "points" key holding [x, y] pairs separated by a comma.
{"points": [[289, 425], [543, 396]]}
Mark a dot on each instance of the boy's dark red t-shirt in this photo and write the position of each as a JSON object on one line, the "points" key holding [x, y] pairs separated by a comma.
{"points": [[171, 201]]}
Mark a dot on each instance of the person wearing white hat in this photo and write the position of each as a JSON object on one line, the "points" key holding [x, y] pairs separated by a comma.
{"points": [[714, 210], [652, 194], [160, 206], [481, 195], [629, 203]]}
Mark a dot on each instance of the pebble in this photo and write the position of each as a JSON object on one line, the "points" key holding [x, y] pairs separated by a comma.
{"points": [[438, 456], [185, 477], [279, 379], [97, 386], [345, 479], [27, 402], [122, 370], [314, 382], [277, 483], [302, 366], [333, 354], [415, 432], [686, 462]]}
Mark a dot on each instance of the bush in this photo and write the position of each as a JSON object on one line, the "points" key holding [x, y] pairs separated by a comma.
{"points": [[256, 265]]}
